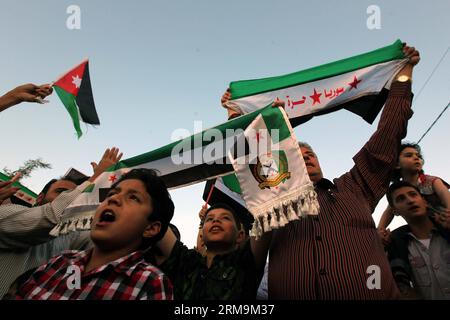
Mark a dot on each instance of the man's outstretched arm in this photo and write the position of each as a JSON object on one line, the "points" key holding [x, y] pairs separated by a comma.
{"points": [[24, 93]]}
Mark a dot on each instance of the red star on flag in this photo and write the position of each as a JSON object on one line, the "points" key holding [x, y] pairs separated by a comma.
{"points": [[112, 178], [315, 97], [354, 84]]}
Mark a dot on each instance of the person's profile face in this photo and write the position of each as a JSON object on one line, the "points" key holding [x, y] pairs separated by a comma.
{"points": [[57, 188], [312, 164], [410, 160]]}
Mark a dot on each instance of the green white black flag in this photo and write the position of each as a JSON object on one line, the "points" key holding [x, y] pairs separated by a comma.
{"points": [[359, 84]]}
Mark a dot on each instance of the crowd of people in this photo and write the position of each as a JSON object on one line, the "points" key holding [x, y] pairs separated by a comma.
{"points": [[133, 252]]}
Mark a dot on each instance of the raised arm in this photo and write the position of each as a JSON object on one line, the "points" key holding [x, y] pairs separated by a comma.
{"points": [[23, 227], [166, 245], [24, 93], [376, 160], [7, 190], [442, 192], [386, 218], [260, 248]]}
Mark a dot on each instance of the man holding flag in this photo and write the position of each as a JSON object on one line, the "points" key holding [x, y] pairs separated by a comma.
{"points": [[337, 254]]}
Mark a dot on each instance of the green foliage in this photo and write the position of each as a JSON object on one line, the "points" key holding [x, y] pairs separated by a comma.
{"points": [[28, 167]]}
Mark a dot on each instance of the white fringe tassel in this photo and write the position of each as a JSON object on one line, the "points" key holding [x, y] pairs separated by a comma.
{"points": [[76, 223], [291, 206]]}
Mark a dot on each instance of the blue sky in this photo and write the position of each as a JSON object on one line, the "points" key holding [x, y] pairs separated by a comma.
{"points": [[157, 66]]}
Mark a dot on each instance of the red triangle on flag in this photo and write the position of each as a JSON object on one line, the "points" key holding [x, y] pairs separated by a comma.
{"points": [[71, 81]]}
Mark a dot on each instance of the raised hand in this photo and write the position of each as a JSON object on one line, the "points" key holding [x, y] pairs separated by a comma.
{"points": [[109, 158], [6, 188], [443, 218]]}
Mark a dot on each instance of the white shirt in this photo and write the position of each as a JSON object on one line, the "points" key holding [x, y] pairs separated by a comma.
{"points": [[25, 242]]}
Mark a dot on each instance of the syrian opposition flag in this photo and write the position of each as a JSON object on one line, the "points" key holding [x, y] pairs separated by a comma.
{"points": [[273, 178], [23, 196], [194, 159], [74, 90], [359, 84], [203, 156]]}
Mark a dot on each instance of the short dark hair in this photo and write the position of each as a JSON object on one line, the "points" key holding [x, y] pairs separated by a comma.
{"points": [[221, 205], [397, 185], [163, 207], [47, 186], [51, 182], [413, 145], [175, 231]]}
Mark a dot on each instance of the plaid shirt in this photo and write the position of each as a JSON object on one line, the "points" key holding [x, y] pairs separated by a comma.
{"points": [[127, 278]]}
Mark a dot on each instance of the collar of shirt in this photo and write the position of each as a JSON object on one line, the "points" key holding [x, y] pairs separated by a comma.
{"points": [[433, 232], [218, 258], [325, 184], [404, 232], [124, 264]]}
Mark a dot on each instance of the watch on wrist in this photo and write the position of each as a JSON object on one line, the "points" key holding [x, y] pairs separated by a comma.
{"points": [[403, 78]]}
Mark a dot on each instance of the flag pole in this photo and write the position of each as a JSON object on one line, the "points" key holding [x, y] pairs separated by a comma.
{"points": [[41, 100], [209, 195]]}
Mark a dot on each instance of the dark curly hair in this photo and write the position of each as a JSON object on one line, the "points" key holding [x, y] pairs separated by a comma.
{"points": [[397, 176]]}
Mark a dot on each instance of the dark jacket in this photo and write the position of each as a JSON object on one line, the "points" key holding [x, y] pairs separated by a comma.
{"points": [[398, 254]]}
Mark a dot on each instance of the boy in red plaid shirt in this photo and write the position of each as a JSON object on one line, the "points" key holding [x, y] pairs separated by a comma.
{"points": [[135, 214]]}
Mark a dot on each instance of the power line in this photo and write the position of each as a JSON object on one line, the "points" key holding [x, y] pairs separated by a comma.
{"points": [[433, 123], [424, 85], [432, 73]]}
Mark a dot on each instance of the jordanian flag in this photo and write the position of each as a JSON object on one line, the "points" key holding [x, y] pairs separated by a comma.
{"points": [[74, 90], [359, 84], [23, 196]]}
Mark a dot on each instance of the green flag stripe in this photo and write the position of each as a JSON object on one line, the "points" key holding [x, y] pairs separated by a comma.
{"points": [[232, 183], [68, 100], [246, 88], [89, 188], [166, 151], [4, 177], [274, 120]]}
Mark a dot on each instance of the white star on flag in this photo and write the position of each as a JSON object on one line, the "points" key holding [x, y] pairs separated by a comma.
{"points": [[76, 81]]}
